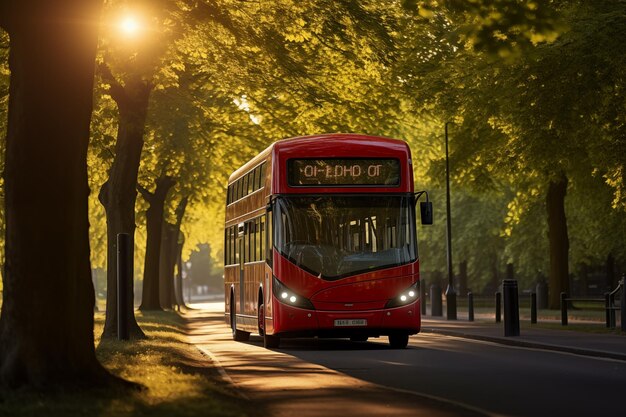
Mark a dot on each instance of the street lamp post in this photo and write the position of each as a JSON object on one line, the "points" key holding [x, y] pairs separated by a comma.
{"points": [[450, 292]]}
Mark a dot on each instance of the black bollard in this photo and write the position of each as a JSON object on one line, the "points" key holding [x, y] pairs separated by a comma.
{"points": [[563, 309], [436, 305], [623, 304], [612, 309], [470, 306], [423, 298], [498, 306], [607, 309], [533, 307], [511, 307], [124, 283]]}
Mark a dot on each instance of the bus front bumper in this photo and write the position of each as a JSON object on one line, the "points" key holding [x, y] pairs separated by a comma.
{"points": [[289, 321]]}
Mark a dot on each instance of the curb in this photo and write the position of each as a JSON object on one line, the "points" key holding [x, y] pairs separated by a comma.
{"points": [[222, 371], [530, 345]]}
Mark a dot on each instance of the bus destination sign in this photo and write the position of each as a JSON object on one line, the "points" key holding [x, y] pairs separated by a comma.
{"points": [[343, 172]]}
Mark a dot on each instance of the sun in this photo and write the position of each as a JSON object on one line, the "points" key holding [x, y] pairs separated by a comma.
{"points": [[130, 26]]}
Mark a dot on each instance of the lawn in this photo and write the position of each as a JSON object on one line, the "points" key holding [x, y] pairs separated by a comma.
{"points": [[178, 380]]}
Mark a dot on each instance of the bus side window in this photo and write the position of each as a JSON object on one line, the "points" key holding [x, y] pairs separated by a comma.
{"points": [[253, 179], [237, 246], [248, 242], [244, 188], [233, 246], [262, 176], [226, 245], [231, 252], [261, 237], [257, 239], [253, 241], [229, 246]]}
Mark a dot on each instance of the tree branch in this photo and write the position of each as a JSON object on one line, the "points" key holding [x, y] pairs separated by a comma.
{"points": [[116, 89], [164, 184], [180, 210], [147, 195], [103, 195]]}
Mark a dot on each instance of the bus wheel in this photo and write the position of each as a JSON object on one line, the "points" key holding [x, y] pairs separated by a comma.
{"points": [[238, 335], [269, 341], [358, 338], [398, 340], [261, 319]]}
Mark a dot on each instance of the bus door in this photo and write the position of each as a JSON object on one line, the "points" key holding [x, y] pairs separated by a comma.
{"points": [[242, 259]]}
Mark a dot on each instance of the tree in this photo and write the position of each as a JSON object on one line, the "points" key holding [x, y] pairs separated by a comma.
{"points": [[171, 253], [118, 193], [4, 104], [152, 298], [130, 90], [46, 327], [528, 120]]}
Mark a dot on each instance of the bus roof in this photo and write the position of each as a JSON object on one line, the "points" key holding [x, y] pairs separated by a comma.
{"points": [[317, 145]]}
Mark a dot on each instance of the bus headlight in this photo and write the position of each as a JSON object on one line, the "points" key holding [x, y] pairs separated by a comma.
{"points": [[287, 296], [405, 297]]}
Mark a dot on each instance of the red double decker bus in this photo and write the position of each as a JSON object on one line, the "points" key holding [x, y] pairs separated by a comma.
{"points": [[320, 240]]}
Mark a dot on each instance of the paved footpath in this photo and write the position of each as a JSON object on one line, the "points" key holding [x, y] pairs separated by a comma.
{"points": [[581, 343]]}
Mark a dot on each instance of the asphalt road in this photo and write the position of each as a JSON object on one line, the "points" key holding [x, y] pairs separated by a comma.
{"points": [[500, 379], [436, 375]]}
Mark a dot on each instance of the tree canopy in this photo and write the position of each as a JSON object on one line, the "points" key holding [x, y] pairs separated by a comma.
{"points": [[533, 92]]}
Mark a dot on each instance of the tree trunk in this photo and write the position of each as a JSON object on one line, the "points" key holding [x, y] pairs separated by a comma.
{"points": [[610, 272], [179, 268], [169, 242], [118, 193], [558, 240], [151, 298], [169, 251], [463, 279], [46, 325]]}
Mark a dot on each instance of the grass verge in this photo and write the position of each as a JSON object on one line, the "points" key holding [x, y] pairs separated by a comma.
{"points": [[177, 380]]}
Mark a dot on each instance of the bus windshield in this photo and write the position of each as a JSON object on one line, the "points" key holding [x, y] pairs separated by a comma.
{"points": [[337, 236]]}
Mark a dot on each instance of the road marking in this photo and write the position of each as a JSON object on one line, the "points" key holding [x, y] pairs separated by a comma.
{"points": [[223, 373]]}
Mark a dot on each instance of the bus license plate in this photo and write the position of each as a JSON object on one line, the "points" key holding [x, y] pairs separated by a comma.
{"points": [[350, 322]]}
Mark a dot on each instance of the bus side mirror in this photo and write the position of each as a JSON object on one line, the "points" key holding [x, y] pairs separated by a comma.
{"points": [[426, 211]]}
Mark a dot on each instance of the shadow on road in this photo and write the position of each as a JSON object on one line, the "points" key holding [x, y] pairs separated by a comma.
{"points": [[290, 381]]}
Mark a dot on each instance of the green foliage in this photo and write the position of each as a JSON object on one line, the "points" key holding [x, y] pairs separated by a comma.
{"points": [[497, 27], [532, 90], [547, 108]]}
